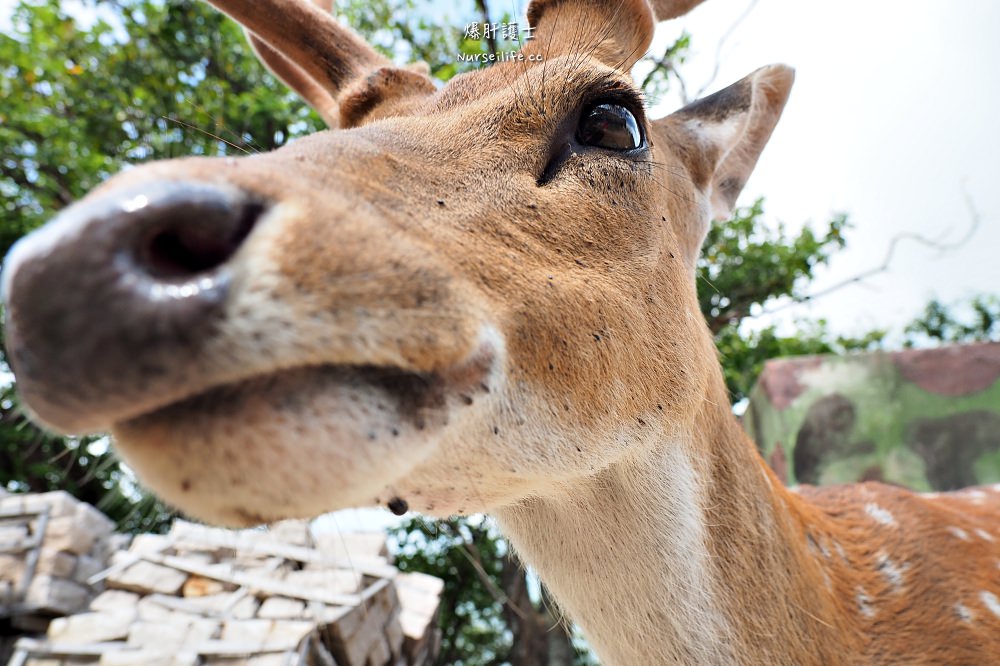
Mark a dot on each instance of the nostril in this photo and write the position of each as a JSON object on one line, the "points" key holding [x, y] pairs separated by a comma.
{"points": [[194, 237]]}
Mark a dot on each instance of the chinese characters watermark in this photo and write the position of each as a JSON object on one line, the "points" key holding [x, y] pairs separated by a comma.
{"points": [[508, 32]]}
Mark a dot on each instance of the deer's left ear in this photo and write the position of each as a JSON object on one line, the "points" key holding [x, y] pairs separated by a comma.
{"points": [[723, 134]]}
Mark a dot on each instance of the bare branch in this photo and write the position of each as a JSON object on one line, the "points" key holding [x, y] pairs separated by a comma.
{"points": [[665, 63], [718, 48], [471, 553], [937, 244]]}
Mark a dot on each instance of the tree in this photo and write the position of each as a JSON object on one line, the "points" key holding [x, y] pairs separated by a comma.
{"points": [[747, 265], [939, 324]]}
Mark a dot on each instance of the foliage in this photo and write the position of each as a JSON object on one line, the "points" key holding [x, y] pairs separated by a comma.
{"points": [[743, 353], [662, 71], [468, 555], [745, 263], [940, 324], [82, 103]]}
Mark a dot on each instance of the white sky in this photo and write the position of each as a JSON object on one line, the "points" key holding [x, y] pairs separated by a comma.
{"points": [[894, 115]]}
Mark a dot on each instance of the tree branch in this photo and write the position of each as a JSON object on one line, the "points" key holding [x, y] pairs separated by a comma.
{"points": [[937, 244], [665, 63], [718, 48]]}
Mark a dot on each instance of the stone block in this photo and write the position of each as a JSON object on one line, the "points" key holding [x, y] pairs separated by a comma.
{"points": [[339, 581], [66, 533], [111, 600], [146, 578], [56, 595], [251, 633], [199, 586], [295, 532], [151, 657], [58, 503], [94, 627], [278, 608], [92, 520], [86, 567], [353, 544], [58, 563], [11, 568], [14, 536], [288, 634]]}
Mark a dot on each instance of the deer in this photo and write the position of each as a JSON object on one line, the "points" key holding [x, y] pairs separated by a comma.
{"points": [[481, 297]]}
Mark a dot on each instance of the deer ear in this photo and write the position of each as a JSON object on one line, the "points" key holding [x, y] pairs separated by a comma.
{"points": [[726, 132], [333, 69], [615, 33]]}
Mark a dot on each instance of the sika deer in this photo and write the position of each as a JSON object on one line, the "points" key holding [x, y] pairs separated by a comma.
{"points": [[481, 298]]}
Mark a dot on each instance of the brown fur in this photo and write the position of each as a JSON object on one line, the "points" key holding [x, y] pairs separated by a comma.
{"points": [[420, 314]]}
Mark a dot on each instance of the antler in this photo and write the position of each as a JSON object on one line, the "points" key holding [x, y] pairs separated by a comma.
{"points": [[295, 78], [308, 37], [326, 63]]}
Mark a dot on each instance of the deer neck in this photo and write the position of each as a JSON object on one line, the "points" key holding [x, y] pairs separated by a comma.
{"points": [[659, 557]]}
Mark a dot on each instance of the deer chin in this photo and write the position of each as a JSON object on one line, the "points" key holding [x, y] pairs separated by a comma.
{"points": [[300, 442]]}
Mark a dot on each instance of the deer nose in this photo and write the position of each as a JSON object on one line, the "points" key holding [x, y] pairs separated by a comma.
{"points": [[174, 236], [122, 282]]}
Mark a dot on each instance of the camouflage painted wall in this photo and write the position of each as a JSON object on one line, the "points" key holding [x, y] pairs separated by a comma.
{"points": [[926, 419]]}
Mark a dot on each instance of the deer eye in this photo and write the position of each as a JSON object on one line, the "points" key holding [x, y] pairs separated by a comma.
{"points": [[609, 125]]}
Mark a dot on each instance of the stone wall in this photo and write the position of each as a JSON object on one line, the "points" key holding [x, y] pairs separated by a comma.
{"points": [[80, 594], [926, 419]]}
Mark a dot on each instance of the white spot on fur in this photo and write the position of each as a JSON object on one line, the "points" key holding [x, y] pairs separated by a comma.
{"points": [[959, 533], [767, 477], [963, 612], [991, 602], [930, 496], [879, 514], [864, 603], [995, 487], [840, 550], [983, 534], [976, 496], [892, 572]]}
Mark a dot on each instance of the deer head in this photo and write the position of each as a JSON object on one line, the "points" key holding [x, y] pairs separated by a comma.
{"points": [[459, 296]]}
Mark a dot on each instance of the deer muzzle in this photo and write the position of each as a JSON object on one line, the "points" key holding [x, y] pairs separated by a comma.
{"points": [[195, 294], [105, 302]]}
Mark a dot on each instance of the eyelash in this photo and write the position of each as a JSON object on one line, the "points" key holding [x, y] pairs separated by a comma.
{"points": [[567, 139]]}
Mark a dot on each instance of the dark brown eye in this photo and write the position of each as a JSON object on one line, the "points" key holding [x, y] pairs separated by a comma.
{"points": [[609, 125]]}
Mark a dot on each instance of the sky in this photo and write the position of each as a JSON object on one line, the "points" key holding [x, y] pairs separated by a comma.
{"points": [[893, 120]]}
